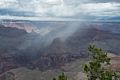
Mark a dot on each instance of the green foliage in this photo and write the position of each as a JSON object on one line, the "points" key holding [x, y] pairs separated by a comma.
{"points": [[95, 69], [61, 77], [54, 78]]}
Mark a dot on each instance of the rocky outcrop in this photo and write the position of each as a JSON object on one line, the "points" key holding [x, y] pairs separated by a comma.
{"points": [[53, 61], [7, 62], [11, 32]]}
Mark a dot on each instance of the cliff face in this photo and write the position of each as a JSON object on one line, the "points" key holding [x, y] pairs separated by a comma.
{"points": [[101, 38], [11, 32], [28, 27]]}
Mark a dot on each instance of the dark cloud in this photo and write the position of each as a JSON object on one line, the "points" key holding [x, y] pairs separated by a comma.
{"points": [[15, 13]]}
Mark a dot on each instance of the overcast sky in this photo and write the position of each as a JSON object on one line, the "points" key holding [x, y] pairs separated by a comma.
{"points": [[60, 9]]}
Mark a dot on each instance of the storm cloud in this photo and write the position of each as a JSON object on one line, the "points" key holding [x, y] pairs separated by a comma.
{"points": [[75, 9]]}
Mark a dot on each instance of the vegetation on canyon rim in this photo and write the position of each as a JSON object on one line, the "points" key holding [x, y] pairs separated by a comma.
{"points": [[95, 68]]}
